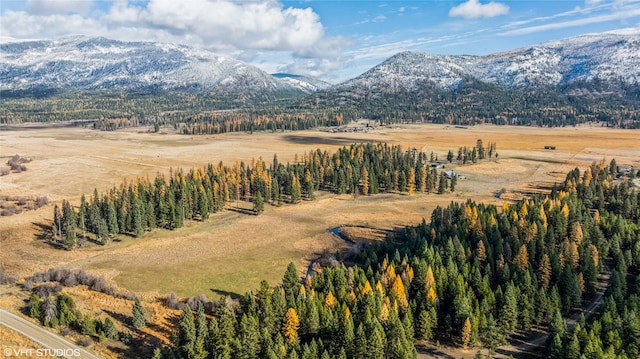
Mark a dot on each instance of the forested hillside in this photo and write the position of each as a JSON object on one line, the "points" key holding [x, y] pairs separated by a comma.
{"points": [[471, 103], [473, 276]]}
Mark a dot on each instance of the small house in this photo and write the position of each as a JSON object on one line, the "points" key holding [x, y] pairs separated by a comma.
{"points": [[450, 174]]}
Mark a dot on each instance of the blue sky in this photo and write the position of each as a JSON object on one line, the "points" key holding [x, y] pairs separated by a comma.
{"points": [[329, 39]]}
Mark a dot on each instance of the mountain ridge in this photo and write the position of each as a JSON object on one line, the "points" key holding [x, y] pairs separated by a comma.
{"points": [[609, 57], [98, 63]]}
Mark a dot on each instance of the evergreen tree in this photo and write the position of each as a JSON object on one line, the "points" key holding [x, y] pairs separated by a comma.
{"points": [[291, 281], [258, 203], [249, 337], [110, 330], [202, 333], [187, 334], [295, 189], [139, 319]]}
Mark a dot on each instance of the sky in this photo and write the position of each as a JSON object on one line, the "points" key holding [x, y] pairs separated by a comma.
{"points": [[329, 39]]}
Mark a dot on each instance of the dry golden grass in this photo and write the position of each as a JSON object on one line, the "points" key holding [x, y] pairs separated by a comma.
{"points": [[233, 252], [358, 234], [12, 341]]}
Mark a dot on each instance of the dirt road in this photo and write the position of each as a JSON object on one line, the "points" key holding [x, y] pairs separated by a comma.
{"points": [[53, 345]]}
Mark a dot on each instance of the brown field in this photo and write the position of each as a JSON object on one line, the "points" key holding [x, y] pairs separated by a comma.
{"points": [[15, 341], [232, 252]]}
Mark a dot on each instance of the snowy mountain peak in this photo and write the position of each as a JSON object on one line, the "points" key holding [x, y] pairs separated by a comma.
{"points": [[607, 57], [98, 63]]}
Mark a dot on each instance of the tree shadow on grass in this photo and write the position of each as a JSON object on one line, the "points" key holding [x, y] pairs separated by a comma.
{"points": [[224, 293], [241, 210], [45, 234], [143, 341], [433, 352]]}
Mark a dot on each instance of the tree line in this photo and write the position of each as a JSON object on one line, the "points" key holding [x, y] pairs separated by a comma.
{"points": [[167, 201], [472, 102], [474, 276]]}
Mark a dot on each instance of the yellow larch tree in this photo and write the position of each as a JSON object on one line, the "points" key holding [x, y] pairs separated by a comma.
{"points": [[576, 234], [365, 181], [482, 251], [522, 259], [330, 300], [411, 181], [466, 333], [400, 293], [544, 271], [290, 326], [593, 253], [422, 186], [366, 288], [570, 253]]}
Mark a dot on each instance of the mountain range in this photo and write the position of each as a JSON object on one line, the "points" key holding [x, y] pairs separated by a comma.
{"points": [[607, 60], [97, 63], [608, 57]]}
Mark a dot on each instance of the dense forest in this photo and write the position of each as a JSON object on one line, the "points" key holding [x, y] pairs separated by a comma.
{"points": [[473, 276], [472, 102], [167, 201]]}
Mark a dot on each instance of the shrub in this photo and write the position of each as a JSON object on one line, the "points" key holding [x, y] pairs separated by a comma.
{"points": [[6, 278], [86, 341]]}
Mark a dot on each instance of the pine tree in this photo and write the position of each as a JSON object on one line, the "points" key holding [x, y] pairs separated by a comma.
{"points": [[442, 184], [291, 281], [423, 178], [258, 203], [35, 305], [295, 189], [376, 343], [555, 349], [187, 333], [57, 221], [360, 343], [249, 337], [509, 311], [110, 330], [491, 335], [139, 320], [202, 333], [450, 156]]}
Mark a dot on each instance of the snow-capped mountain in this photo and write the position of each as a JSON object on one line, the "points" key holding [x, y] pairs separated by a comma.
{"points": [[95, 63], [305, 83], [608, 58]]}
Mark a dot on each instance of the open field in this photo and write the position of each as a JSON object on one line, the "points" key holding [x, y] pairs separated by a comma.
{"points": [[232, 252]]}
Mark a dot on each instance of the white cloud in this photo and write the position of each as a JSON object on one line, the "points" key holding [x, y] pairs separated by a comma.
{"points": [[58, 6], [239, 28], [617, 16], [592, 2], [473, 9], [379, 18]]}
